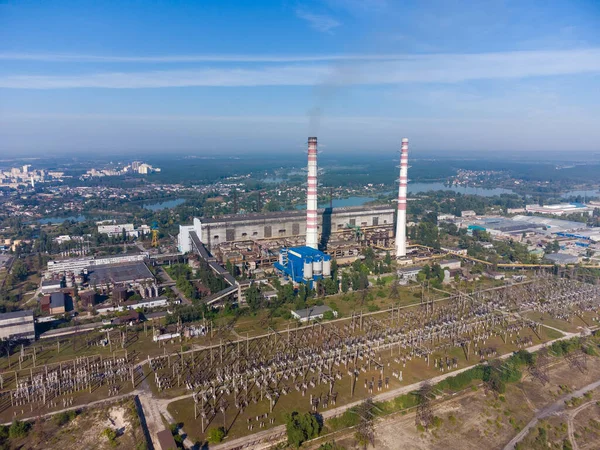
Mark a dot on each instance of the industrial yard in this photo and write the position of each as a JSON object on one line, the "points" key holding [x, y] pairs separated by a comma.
{"points": [[255, 316]]}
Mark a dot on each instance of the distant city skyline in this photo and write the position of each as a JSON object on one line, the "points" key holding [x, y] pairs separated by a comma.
{"points": [[213, 77]]}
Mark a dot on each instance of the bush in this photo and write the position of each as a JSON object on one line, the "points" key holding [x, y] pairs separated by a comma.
{"points": [[64, 417], [216, 435], [301, 427], [18, 429], [111, 435], [328, 315], [348, 419]]}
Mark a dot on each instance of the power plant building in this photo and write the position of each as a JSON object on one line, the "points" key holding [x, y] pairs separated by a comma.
{"points": [[284, 224], [304, 264]]}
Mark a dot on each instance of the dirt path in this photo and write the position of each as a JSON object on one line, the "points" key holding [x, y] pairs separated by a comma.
{"points": [[556, 407], [571, 418]]}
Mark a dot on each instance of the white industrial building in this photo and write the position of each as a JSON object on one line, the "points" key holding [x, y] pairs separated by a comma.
{"points": [[78, 264], [560, 209], [117, 230], [184, 240], [313, 313]]}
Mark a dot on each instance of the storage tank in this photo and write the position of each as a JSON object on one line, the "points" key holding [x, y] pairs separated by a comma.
{"points": [[318, 267], [308, 270], [327, 268]]}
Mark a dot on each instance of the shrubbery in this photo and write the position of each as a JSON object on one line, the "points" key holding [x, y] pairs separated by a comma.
{"points": [[301, 427]]}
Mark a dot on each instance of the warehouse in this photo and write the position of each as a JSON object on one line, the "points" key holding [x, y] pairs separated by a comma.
{"points": [[562, 258], [560, 209], [17, 325], [312, 313], [498, 226], [553, 225]]}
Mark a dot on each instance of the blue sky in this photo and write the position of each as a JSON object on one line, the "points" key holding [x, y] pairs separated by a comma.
{"points": [[242, 76]]}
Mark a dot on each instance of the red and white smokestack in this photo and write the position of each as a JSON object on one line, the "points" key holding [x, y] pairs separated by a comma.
{"points": [[401, 223], [311, 196]]}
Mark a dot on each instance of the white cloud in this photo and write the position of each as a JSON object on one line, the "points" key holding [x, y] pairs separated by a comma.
{"points": [[319, 22], [440, 68], [172, 59]]}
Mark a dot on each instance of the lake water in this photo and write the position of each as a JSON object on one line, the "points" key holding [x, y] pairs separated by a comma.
{"points": [[164, 204], [585, 194], [415, 188], [54, 220]]}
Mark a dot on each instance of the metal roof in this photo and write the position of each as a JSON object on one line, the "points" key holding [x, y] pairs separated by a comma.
{"points": [[285, 214], [312, 312], [16, 314]]}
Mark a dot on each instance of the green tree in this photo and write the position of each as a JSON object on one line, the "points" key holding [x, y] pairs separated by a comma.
{"points": [[18, 429], [301, 427], [215, 435], [253, 297], [345, 282]]}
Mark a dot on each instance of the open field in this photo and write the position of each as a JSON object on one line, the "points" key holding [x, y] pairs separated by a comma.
{"points": [[474, 417]]}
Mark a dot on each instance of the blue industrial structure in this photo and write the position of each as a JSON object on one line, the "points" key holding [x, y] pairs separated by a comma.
{"points": [[303, 264]]}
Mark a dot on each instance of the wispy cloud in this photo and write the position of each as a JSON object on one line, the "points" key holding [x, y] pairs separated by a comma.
{"points": [[359, 6], [319, 22], [440, 68], [173, 59]]}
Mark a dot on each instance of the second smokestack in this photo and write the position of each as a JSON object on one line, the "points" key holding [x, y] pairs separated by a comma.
{"points": [[311, 196], [401, 223]]}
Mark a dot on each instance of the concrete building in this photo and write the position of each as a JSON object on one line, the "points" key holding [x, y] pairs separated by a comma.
{"points": [[313, 313], [451, 264], [409, 273], [468, 213], [284, 224], [184, 240], [17, 325]]}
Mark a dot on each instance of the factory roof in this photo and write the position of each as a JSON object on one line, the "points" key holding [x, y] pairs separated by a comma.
{"points": [[166, 440], [57, 299], [592, 234], [509, 225], [311, 312], [16, 314], [306, 251], [283, 214], [562, 258], [554, 225], [410, 269], [119, 273]]}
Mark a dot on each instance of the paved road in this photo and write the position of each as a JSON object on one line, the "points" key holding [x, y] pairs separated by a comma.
{"points": [[556, 407], [164, 275]]}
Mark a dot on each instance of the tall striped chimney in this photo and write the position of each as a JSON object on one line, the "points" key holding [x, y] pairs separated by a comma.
{"points": [[311, 196], [401, 223]]}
